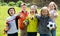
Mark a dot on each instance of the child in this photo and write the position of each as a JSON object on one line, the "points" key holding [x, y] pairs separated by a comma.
{"points": [[53, 14], [43, 21], [11, 23], [32, 22], [53, 10], [23, 15]]}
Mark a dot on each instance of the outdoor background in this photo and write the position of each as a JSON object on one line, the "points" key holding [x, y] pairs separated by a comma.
{"points": [[5, 4]]}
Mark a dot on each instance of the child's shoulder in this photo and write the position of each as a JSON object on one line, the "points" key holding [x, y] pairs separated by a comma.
{"points": [[16, 15], [38, 16], [8, 17], [28, 16]]}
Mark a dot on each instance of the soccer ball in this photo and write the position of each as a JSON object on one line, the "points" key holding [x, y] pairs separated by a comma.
{"points": [[51, 25]]}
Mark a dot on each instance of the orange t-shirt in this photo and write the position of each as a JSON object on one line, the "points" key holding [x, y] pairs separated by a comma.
{"points": [[21, 19]]}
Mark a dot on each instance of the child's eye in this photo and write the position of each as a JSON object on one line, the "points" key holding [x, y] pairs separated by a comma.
{"points": [[52, 6]]}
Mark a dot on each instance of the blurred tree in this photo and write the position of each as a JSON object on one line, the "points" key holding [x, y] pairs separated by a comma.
{"points": [[44, 2], [1, 0], [10, 1], [25, 1], [36, 2]]}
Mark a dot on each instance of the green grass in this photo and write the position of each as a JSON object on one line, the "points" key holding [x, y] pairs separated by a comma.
{"points": [[4, 15]]}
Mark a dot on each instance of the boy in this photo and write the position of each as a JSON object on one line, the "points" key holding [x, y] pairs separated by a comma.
{"points": [[23, 15]]}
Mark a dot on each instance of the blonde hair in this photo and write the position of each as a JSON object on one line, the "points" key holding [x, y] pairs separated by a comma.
{"points": [[45, 8], [54, 4], [34, 7]]}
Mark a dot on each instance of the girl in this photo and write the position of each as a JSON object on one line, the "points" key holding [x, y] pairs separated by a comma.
{"points": [[11, 23], [43, 21], [32, 22], [53, 14]]}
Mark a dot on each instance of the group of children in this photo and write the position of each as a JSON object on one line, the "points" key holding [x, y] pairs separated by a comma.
{"points": [[32, 22]]}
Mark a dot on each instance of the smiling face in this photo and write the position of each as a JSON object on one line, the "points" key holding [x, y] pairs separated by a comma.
{"points": [[32, 10], [45, 12], [51, 6], [11, 12], [23, 7]]}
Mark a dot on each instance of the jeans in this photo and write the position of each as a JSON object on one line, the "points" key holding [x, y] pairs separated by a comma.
{"points": [[31, 33], [44, 34], [53, 32], [15, 34]]}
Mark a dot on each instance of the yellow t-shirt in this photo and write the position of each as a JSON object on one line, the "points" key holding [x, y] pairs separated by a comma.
{"points": [[32, 26]]}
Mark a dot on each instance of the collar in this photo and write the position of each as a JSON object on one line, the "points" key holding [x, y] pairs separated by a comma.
{"points": [[23, 11]]}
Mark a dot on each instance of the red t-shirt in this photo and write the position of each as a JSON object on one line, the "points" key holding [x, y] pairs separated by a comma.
{"points": [[23, 17]]}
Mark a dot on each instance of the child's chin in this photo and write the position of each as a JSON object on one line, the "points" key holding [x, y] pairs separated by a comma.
{"points": [[12, 14]]}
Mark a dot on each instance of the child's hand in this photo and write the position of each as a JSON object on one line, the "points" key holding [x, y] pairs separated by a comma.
{"points": [[20, 16], [55, 14], [26, 22], [52, 28], [5, 30]]}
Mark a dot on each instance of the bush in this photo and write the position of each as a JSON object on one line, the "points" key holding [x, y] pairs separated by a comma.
{"points": [[3, 4], [11, 3], [0, 3], [19, 3], [28, 4]]}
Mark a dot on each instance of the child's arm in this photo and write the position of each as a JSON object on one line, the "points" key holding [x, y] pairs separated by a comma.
{"points": [[16, 20], [6, 28], [38, 18], [55, 14], [19, 15]]}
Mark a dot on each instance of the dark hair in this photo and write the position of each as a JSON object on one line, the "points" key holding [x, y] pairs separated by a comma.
{"points": [[23, 4], [9, 10], [36, 12]]}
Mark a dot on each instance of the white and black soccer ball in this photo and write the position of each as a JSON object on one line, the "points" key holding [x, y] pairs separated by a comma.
{"points": [[51, 25]]}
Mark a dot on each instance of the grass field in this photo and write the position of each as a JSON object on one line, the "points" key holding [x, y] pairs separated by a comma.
{"points": [[4, 15]]}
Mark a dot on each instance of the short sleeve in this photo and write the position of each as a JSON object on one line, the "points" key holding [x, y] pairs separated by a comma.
{"points": [[7, 20]]}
